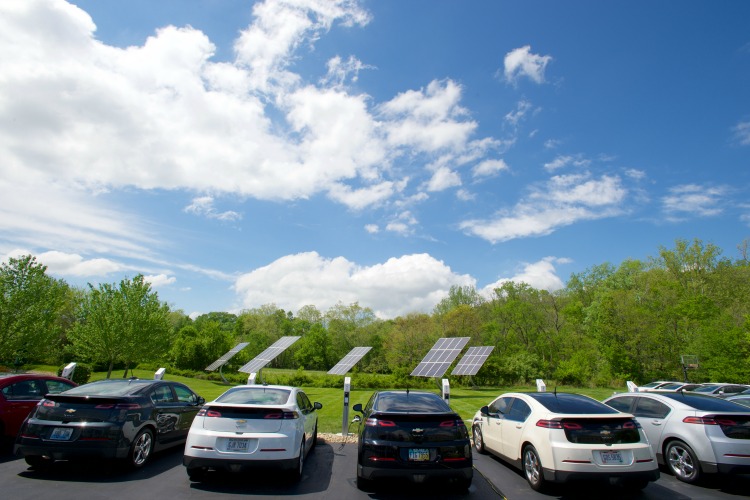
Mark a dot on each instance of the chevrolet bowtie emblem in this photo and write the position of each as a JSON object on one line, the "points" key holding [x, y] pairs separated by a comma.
{"points": [[70, 410], [241, 422]]}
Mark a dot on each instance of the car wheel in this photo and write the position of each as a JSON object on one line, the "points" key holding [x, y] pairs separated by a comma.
{"points": [[479, 440], [682, 462], [532, 468], [140, 450], [38, 462], [197, 473], [296, 475]]}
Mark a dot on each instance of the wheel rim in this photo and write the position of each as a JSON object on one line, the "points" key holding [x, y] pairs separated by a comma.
{"points": [[681, 462], [142, 448], [531, 466], [478, 438]]}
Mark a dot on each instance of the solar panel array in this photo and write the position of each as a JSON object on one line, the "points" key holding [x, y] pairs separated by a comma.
{"points": [[262, 359], [229, 355], [472, 360], [349, 360], [440, 357]]}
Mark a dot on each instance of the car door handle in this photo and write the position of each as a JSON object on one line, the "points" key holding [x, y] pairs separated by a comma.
{"points": [[656, 422]]}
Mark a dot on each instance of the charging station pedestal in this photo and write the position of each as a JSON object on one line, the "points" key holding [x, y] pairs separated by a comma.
{"points": [[631, 386], [251, 378], [159, 373], [540, 385], [68, 371], [446, 390], [345, 420]]}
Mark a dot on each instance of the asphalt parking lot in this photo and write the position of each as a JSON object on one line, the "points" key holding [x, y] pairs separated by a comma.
{"points": [[329, 474]]}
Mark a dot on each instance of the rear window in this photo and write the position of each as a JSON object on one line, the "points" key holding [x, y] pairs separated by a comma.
{"points": [[604, 431], [109, 388], [254, 396], [416, 402], [571, 403], [705, 403], [706, 388]]}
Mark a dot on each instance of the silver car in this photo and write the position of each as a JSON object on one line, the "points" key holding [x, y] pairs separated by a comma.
{"points": [[693, 434]]}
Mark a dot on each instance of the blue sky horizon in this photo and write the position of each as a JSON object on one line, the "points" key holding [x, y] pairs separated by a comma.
{"points": [[316, 152]]}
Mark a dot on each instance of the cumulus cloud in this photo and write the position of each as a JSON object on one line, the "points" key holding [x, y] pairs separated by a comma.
{"points": [[489, 168], [541, 275], [693, 199], [742, 133], [521, 62], [159, 280], [73, 265], [565, 160], [411, 283], [563, 200], [204, 206]]}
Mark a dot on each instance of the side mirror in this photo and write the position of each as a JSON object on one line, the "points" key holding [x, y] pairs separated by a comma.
{"points": [[201, 401], [358, 407], [485, 411], [317, 405], [357, 419]]}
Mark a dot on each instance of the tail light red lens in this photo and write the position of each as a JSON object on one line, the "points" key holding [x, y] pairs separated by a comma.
{"points": [[46, 402], [549, 424], [374, 422], [572, 426], [118, 406], [700, 420], [282, 415], [207, 412]]}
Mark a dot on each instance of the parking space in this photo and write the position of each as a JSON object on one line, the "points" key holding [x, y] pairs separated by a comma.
{"points": [[329, 474]]}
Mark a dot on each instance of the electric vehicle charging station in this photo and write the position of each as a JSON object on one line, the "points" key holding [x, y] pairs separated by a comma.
{"points": [[341, 368], [159, 375], [251, 378], [68, 371], [345, 419], [631, 386], [446, 390], [540, 385]]}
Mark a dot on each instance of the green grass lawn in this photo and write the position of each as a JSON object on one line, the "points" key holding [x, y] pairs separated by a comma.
{"points": [[466, 401]]}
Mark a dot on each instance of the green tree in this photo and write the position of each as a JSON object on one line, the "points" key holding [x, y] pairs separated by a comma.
{"points": [[125, 324], [32, 311]]}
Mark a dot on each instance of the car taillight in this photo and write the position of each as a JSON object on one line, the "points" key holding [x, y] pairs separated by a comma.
{"points": [[549, 424], [285, 415], [631, 424], [46, 402], [207, 412], [700, 420], [374, 422], [572, 426]]}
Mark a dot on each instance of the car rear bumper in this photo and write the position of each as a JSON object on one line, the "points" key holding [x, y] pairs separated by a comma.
{"points": [[558, 476], [66, 451], [237, 465], [415, 474]]}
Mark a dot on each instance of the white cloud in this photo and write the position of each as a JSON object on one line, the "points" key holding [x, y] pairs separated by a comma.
{"points": [[562, 201], [402, 224], [742, 133], [489, 168], [372, 228], [694, 199], [159, 280], [541, 275], [565, 160], [522, 109], [64, 264], [411, 283], [521, 62], [204, 206], [442, 179]]}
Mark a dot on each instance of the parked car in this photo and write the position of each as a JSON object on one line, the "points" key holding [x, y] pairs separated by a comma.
{"points": [[411, 435], [677, 386], [692, 433], [251, 426], [20, 393], [114, 418], [741, 399], [652, 386], [558, 437], [720, 390]]}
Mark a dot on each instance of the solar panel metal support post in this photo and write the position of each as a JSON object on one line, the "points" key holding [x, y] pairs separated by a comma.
{"points": [[689, 362], [219, 363]]}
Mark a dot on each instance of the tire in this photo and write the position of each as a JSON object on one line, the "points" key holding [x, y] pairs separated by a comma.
{"points": [[38, 462], [299, 464], [479, 440], [197, 474], [682, 462], [532, 468], [140, 450]]}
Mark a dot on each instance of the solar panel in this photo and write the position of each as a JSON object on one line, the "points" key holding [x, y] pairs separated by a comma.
{"points": [[472, 360], [440, 357], [349, 360], [262, 359], [226, 357]]}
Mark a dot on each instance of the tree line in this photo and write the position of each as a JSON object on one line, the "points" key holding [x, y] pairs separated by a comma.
{"points": [[609, 324]]}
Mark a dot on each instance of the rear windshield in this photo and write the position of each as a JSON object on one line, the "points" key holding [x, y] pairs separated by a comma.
{"points": [[255, 396], [705, 403], [109, 388], [571, 403], [417, 402], [706, 388]]}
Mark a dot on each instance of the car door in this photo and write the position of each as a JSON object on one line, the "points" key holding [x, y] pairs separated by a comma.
{"points": [[308, 414], [652, 415], [166, 413], [493, 424], [513, 427], [187, 407], [20, 398]]}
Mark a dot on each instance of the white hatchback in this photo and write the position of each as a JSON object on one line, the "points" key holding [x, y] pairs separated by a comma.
{"points": [[559, 437], [252, 426]]}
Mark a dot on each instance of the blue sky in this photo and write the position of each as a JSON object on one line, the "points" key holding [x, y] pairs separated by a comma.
{"points": [[315, 152]]}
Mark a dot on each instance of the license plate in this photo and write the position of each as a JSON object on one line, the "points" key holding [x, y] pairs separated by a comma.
{"points": [[237, 445], [611, 457], [419, 455], [61, 433]]}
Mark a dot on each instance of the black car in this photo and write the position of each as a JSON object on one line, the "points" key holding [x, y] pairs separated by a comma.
{"points": [[414, 436], [119, 418]]}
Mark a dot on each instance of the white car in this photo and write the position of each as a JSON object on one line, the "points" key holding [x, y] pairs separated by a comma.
{"points": [[655, 386], [252, 425], [691, 433], [557, 437]]}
